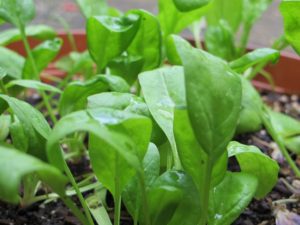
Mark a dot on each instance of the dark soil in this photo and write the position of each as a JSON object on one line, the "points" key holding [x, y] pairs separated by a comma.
{"points": [[259, 212]]}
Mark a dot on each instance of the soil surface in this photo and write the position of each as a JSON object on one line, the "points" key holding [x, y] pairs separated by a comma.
{"points": [[280, 203]]}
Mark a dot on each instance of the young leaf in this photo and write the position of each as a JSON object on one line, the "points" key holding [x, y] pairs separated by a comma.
{"points": [[43, 54], [147, 42], [240, 188], [173, 21], [41, 32], [91, 8], [190, 5], [229, 11], [34, 124], [34, 84], [290, 10], [213, 93], [5, 122], [254, 162], [219, 40], [14, 69], [248, 60], [15, 165], [17, 12], [75, 94], [108, 37], [252, 105], [3, 73], [18, 136], [163, 89], [288, 128]]}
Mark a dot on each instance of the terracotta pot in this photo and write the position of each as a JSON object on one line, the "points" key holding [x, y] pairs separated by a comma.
{"points": [[286, 73]]}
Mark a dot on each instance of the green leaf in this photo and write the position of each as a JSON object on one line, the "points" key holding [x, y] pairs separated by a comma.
{"points": [[147, 42], [127, 66], [248, 60], [185, 6], [12, 69], [41, 32], [17, 12], [192, 156], [254, 162], [34, 124], [163, 89], [213, 94], [253, 10], [132, 194], [3, 73], [18, 136], [288, 128], [108, 37], [91, 8], [4, 127], [15, 165], [43, 54], [76, 93], [239, 189], [229, 11], [252, 105], [34, 84], [219, 40], [290, 10], [173, 21]]}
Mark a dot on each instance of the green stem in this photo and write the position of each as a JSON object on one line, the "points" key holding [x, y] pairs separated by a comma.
{"points": [[244, 39], [78, 193], [144, 199], [204, 195], [196, 30], [36, 73], [277, 138]]}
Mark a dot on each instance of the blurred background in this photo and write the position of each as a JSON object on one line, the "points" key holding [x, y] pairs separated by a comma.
{"points": [[264, 33]]}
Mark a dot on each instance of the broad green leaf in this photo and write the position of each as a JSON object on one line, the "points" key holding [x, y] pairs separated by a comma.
{"points": [[185, 6], [76, 93], [248, 60], [91, 8], [254, 162], [18, 136], [127, 66], [288, 128], [249, 119], [14, 69], [132, 195], [290, 10], [41, 32], [229, 199], [219, 40], [17, 12], [213, 94], [15, 165], [192, 156], [147, 42], [5, 122], [34, 124], [163, 89], [229, 11], [108, 37], [43, 54], [173, 21], [34, 84]]}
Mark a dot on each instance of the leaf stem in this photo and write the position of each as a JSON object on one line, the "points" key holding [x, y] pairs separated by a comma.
{"points": [[117, 195], [78, 193], [144, 198], [36, 73]]}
